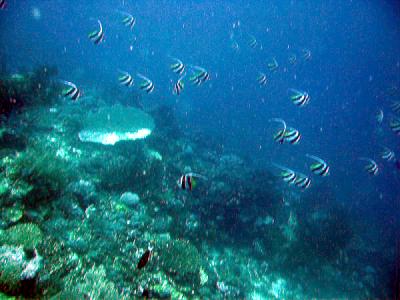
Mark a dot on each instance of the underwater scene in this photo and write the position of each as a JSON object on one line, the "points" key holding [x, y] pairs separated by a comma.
{"points": [[168, 149]]}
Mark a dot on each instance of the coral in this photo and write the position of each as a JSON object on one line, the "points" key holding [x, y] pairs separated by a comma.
{"points": [[27, 235], [182, 260], [130, 199]]}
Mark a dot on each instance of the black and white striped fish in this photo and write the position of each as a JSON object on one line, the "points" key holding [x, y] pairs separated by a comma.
{"points": [[279, 137], [395, 106], [3, 4], [320, 167], [200, 76], [188, 182], [128, 20], [252, 42], [179, 86], [146, 85], [395, 125], [302, 181], [292, 136], [288, 175], [71, 91], [97, 36], [178, 67], [371, 167], [125, 79], [273, 65], [292, 59], [299, 98], [262, 79], [388, 154]]}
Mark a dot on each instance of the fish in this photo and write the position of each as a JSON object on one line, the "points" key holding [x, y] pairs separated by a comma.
{"points": [[388, 154], [71, 91], [252, 42], [320, 167], [279, 137], [200, 76], [262, 79], [379, 116], [395, 106], [292, 59], [395, 125], [188, 182], [292, 136], [299, 98], [146, 85], [144, 259], [3, 4], [371, 167], [178, 67], [306, 54], [273, 65], [97, 36], [302, 181], [288, 175], [128, 20], [179, 86], [125, 79]]}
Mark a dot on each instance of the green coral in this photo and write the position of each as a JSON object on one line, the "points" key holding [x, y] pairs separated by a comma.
{"points": [[12, 262], [181, 258], [27, 235]]}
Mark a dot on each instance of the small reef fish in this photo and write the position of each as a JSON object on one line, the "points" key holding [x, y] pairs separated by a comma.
{"points": [[396, 106], [200, 76], [302, 181], [252, 42], [97, 36], [71, 91], [188, 182], [178, 86], [125, 79], [146, 85], [178, 67], [292, 136], [145, 258], [299, 98], [292, 59], [371, 167], [279, 137], [379, 116], [288, 175], [262, 79], [320, 167], [3, 4], [128, 20], [395, 125], [388, 154], [306, 54], [273, 65]]}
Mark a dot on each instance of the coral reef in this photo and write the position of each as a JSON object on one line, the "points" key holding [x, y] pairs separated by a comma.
{"points": [[26, 235]]}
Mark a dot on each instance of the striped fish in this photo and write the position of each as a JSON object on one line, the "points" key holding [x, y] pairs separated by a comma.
{"points": [[371, 167], [146, 85], [395, 125], [262, 79], [71, 91], [388, 154], [273, 65], [288, 175], [302, 181], [299, 98], [292, 136], [3, 4], [125, 79], [395, 106], [320, 167], [97, 36], [178, 67], [200, 76], [128, 20], [306, 54], [292, 59], [188, 182], [252, 42], [179, 86], [279, 137]]}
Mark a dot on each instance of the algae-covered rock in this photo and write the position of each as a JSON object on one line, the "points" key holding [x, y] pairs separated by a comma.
{"points": [[109, 125], [26, 235]]}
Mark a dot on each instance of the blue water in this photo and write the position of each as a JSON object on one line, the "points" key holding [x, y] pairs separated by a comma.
{"points": [[355, 60]]}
